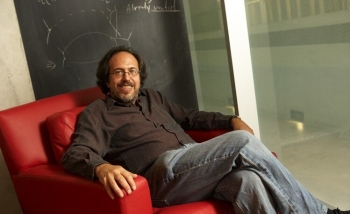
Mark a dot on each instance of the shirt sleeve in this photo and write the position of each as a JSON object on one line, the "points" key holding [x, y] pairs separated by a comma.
{"points": [[88, 147], [194, 119]]}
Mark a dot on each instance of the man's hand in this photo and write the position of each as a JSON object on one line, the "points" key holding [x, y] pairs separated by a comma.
{"points": [[239, 124], [115, 178]]}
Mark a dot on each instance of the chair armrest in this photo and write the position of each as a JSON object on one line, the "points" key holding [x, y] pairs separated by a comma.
{"points": [[49, 189], [204, 135]]}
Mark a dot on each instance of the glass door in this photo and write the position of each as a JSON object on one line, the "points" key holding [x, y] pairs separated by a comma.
{"points": [[300, 51], [209, 55]]}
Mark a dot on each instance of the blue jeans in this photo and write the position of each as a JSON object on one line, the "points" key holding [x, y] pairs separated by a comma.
{"points": [[235, 167]]}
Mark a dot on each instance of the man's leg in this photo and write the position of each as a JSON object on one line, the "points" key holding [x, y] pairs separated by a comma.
{"points": [[246, 192], [290, 196], [193, 172]]}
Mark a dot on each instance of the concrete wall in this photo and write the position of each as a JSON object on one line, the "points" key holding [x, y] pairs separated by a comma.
{"points": [[15, 89]]}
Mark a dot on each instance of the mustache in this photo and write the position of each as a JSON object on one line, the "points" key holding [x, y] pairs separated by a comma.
{"points": [[126, 83]]}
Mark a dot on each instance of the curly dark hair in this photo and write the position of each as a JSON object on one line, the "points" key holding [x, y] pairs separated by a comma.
{"points": [[102, 73]]}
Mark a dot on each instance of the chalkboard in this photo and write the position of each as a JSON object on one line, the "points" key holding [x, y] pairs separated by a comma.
{"points": [[64, 40]]}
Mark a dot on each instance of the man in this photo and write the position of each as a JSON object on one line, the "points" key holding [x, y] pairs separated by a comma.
{"points": [[138, 131]]}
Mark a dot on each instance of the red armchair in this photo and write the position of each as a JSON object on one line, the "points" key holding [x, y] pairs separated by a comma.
{"points": [[41, 184]]}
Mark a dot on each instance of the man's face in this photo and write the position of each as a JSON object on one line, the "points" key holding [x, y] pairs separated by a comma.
{"points": [[125, 87]]}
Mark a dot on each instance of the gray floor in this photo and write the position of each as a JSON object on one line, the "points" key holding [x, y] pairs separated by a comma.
{"points": [[319, 157]]}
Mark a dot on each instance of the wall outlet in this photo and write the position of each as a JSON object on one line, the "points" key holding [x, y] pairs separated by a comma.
{"points": [[297, 115]]}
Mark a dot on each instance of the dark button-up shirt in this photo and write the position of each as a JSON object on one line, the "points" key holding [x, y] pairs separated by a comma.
{"points": [[133, 136]]}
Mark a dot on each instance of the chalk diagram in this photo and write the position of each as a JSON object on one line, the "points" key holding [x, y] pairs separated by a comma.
{"points": [[65, 39], [110, 15]]}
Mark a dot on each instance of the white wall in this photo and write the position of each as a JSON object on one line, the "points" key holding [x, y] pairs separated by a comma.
{"points": [[15, 89]]}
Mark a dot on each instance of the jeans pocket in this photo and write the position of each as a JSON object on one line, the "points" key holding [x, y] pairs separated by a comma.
{"points": [[160, 203]]}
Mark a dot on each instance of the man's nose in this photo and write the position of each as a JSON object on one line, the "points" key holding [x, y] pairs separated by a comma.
{"points": [[126, 75]]}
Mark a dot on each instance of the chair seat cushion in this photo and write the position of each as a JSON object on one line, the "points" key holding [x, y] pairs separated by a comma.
{"points": [[211, 206], [61, 127]]}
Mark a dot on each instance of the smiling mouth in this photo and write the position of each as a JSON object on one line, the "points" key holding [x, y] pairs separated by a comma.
{"points": [[125, 88]]}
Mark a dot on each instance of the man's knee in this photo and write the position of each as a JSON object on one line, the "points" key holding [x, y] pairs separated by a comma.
{"points": [[246, 176], [240, 179], [249, 179], [239, 183]]}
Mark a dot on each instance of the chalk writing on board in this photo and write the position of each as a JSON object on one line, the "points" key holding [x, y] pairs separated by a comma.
{"points": [[50, 65], [149, 7], [49, 2], [111, 16], [46, 2]]}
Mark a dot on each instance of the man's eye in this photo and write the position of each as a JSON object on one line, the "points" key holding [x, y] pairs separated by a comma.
{"points": [[118, 72]]}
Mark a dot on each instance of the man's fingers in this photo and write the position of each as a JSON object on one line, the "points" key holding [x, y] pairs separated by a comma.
{"points": [[131, 181], [126, 182], [113, 185], [109, 191], [107, 185], [115, 179]]}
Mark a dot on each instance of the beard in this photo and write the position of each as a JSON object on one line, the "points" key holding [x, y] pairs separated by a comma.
{"points": [[126, 99]]}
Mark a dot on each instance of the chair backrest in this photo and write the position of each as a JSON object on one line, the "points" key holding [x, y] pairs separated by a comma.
{"points": [[24, 138]]}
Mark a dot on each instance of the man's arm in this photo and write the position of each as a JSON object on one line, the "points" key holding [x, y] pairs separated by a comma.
{"points": [[194, 119], [85, 152], [84, 156], [115, 178]]}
